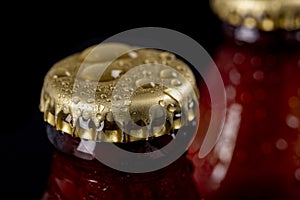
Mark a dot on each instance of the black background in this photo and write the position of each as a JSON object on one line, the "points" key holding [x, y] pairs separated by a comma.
{"points": [[36, 36]]}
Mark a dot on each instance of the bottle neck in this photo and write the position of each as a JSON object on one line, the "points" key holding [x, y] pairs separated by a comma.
{"points": [[73, 146]]}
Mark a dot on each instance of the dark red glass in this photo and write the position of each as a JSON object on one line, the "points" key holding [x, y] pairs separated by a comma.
{"points": [[258, 153], [81, 176]]}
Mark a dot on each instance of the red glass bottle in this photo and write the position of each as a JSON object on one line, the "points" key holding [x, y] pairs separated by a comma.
{"points": [[76, 131], [257, 155]]}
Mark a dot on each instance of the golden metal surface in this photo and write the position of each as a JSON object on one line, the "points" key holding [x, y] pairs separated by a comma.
{"points": [[266, 15], [77, 101]]}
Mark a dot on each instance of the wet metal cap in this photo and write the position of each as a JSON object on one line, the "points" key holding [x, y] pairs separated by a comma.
{"points": [[113, 92], [267, 15]]}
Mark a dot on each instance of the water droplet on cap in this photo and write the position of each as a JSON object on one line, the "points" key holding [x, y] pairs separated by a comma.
{"points": [[103, 96], [191, 104], [171, 107], [76, 99], [167, 56], [115, 73], [127, 102], [176, 82], [91, 100], [117, 97], [161, 103], [292, 121], [123, 109], [281, 144], [168, 73], [147, 73]]}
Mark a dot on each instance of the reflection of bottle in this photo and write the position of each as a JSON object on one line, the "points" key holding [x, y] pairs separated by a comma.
{"points": [[78, 103], [258, 153]]}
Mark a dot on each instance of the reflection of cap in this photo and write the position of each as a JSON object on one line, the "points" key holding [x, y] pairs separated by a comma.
{"points": [[81, 93], [266, 15]]}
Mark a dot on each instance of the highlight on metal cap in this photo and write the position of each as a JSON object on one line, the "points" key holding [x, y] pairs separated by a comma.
{"points": [[114, 92]]}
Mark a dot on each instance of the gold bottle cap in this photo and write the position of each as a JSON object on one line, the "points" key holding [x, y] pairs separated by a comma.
{"points": [[94, 93], [266, 15]]}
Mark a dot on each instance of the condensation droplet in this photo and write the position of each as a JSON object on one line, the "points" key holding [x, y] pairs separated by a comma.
{"points": [[168, 73], [235, 76], [123, 109], [173, 135], [218, 173], [297, 174], [171, 107], [167, 56], [191, 104], [238, 58], [111, 88], [91, 100], [134, 113], [150, 60], [292, 121], [76, 99], [230, 92], [91, 196], [99, 116], [128, 79], [67, 73], [293, 102], [178, 115], [255, 61], [147, 73], [103, 96], [176, 82], [180, 68], [126, 96], [127, 102], [258, 75], [108, 100], [140, 82], [161, 103], [116, 103], [117, 97], [133, 54], [115, 73], [281, 144], [152, 84]]}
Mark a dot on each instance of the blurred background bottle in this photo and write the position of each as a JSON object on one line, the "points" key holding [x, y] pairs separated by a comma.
{"points": [[258, 153]]}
